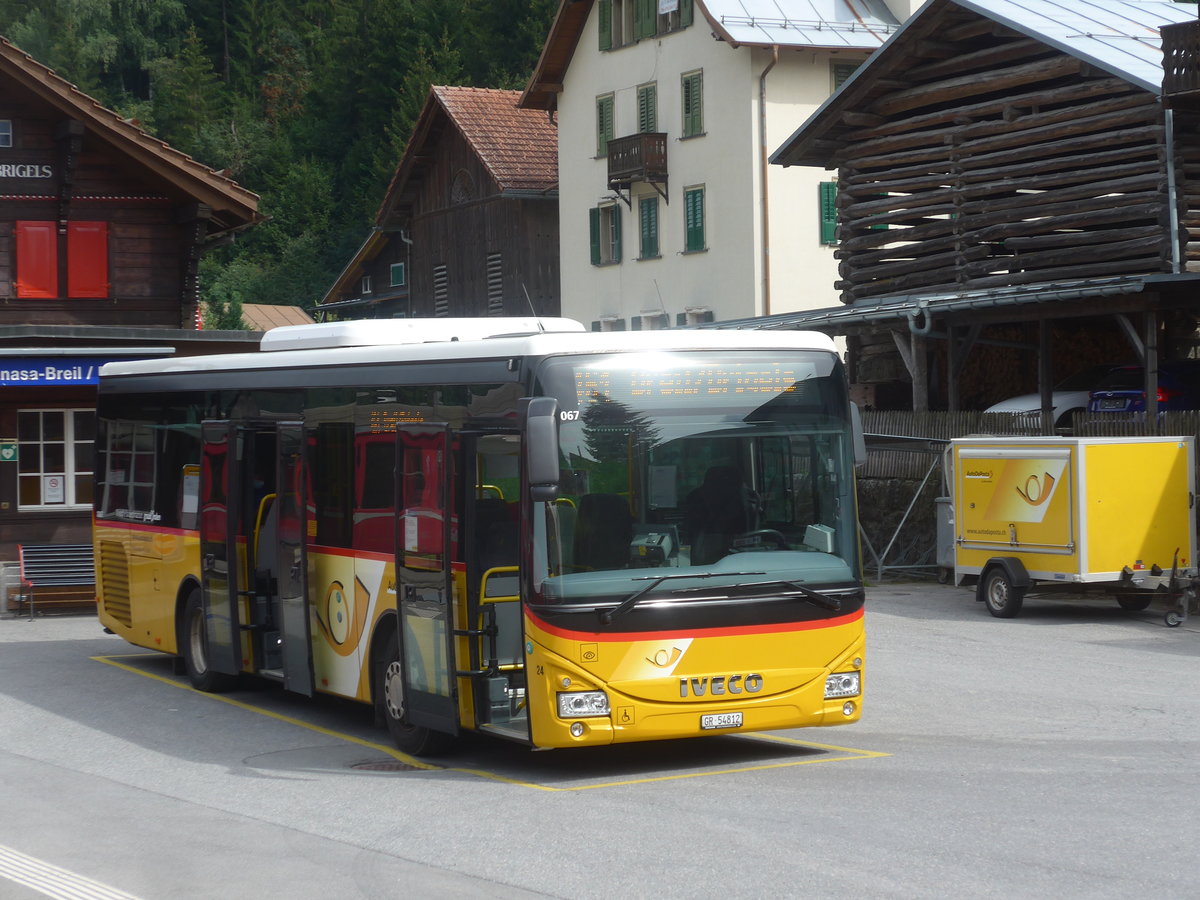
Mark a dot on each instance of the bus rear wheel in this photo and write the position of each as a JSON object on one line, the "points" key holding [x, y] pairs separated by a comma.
{"points": [[193, 647], [389, 695], [1002, 598]]}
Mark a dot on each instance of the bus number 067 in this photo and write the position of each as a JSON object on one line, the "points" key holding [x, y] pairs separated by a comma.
{"points": [[568, 415]]}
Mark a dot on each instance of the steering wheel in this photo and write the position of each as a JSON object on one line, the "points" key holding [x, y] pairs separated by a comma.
{"points": [[762, 535]]}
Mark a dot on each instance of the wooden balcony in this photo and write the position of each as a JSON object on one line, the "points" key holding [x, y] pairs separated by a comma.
{"points": [[638, 157], [1181, 59]]}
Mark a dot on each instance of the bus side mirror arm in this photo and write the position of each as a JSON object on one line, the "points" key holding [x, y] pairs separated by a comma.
{"points": [[541, 447]]}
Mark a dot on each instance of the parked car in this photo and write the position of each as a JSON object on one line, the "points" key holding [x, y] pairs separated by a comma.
{"points": [[1069, 396], [1122, 389]]}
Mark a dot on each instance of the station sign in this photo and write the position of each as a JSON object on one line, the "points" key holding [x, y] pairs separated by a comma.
{"points": [[50, 370]]}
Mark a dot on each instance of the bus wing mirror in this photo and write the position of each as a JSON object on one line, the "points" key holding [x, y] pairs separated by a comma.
{"points": [[860, 441], [541, 448]]}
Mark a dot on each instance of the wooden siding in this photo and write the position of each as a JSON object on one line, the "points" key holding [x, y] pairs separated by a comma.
{"points": [[147, 245], [993, 159]]}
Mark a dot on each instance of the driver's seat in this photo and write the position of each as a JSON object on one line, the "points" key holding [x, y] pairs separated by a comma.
{"points": [[717, 512]]}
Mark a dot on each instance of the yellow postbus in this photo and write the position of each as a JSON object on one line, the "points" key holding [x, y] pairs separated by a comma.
{"points": [[510, 526]]}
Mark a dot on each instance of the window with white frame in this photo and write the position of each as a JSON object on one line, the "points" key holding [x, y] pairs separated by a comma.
{"points": [[397, 275], [55, 449], [604, 225], [366, 284], [6, 134]]}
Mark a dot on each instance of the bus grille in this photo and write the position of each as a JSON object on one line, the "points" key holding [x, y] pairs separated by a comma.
{"points": [[114, 581]]}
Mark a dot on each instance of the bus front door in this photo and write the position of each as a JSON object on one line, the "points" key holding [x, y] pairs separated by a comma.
{"points": [[220, 571], [425, 593], [290, 560]]}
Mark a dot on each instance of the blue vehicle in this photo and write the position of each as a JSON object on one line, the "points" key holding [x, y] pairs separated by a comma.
{"points": [[1123, 389]]}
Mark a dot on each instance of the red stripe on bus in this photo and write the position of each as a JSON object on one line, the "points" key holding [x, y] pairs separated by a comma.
{"points": [[732, 631]]}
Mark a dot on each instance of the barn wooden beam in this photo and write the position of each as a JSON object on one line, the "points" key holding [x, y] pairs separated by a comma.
{"points": [[951, 89]]}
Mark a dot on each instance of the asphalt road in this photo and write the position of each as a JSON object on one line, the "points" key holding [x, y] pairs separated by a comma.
{"points": [[1047, 756]]}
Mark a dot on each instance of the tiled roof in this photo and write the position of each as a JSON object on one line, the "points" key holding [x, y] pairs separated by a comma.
{"points": [[233, 205], [519, 147], [264, 316]]}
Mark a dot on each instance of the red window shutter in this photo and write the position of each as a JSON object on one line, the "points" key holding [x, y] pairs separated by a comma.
{"points": [[37, 260], [87, 259]]}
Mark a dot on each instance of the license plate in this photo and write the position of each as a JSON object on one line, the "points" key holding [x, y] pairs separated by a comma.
{"points": [[1112, 403], [721, 720]]}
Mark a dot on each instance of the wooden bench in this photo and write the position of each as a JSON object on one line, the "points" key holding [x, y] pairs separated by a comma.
{"points": [[59, 575]]}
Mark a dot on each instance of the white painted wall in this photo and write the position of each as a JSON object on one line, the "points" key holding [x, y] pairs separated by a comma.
{"points": [[728, 160]]}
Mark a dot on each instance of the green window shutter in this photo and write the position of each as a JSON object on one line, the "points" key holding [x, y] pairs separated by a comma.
{"points": [[647, 97], [594, 228], [645, 19], [605, 24], [604, 124], [693, 104], [685, 13], [693, 214], [648, 210], [616, 232], [828, 204]]}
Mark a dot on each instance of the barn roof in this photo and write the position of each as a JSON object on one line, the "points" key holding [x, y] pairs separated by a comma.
{"points": [[518, 147], [1120, 37], [233, 206]]}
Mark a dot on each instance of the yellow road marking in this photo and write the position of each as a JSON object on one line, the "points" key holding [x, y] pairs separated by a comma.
{"points": [[847, 753]]}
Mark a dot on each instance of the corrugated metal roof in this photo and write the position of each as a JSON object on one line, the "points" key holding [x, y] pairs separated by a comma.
{"points": [[852, 24], [1119, 36]]}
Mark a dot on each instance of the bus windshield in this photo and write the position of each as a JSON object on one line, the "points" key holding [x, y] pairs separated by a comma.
{"points": [[721, 474]]}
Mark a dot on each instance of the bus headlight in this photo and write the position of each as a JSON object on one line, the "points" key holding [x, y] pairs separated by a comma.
{"points": [[577, 704], [842, 684]]}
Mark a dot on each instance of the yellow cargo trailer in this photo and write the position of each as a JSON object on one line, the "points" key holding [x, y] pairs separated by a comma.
{"points": [[1033, 513]]}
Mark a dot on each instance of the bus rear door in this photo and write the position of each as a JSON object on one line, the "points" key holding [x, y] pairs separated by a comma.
{"points": [[252, 545]]}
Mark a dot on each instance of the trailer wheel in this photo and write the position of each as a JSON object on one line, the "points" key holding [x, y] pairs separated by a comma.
{"points": [[1172, 619], [1002, 598], [1134, 603]]}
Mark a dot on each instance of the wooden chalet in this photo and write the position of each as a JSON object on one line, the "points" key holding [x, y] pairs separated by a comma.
{"points": [[1008, 173], [102, 228], [469, 223]]}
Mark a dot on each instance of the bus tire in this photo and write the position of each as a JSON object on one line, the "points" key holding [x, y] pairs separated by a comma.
{"points": [[193, 649], [1002, 598], [389, 695]]}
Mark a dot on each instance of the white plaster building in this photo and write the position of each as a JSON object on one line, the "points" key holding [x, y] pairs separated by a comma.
{"points": [[667, 112]]}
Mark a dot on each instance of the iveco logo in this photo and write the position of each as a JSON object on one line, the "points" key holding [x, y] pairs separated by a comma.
{"points": [[720, 684]]}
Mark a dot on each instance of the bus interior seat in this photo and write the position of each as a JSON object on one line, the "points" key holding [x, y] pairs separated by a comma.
{"points": [[717, 512], [603, 531]]}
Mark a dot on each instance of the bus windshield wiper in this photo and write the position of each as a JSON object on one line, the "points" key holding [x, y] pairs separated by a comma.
{"points": [[816, 598], [654, 581]]}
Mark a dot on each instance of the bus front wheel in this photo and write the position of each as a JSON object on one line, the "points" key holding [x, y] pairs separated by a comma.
{"points": [[1002, 598], [389, 694], [193, 647]]}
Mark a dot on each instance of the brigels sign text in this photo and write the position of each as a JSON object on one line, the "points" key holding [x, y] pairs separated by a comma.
{"points": [[25, 170]]}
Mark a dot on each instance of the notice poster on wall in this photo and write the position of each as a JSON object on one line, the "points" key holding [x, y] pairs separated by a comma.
{"points": [[53, 489], [667, 6]]}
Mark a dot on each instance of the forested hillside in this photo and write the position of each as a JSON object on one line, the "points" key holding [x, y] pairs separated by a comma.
{"points": [[306, 102]]}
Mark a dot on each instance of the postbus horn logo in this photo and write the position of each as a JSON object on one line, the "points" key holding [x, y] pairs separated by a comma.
{"points": [[1037, 492]]}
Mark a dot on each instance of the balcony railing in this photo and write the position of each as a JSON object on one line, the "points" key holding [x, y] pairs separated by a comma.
{"points": [[1181, 58], [637, 157]]}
